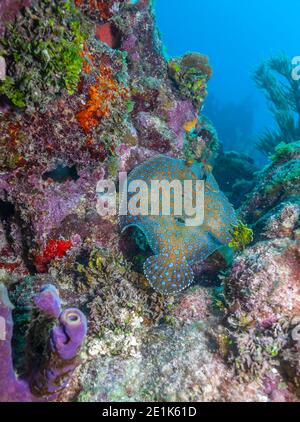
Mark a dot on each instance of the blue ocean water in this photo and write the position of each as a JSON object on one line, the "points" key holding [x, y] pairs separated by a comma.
{"points": [[236, 35]]}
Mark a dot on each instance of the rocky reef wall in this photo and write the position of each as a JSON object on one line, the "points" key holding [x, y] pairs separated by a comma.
{"points": [[86, 92]]}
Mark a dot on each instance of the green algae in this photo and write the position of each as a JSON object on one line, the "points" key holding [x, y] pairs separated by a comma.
{"points": [[42, 49]]}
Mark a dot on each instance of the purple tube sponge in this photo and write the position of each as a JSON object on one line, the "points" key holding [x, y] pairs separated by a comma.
{"points": [[50, 376], [67, 337], [48, 301], [65, 341]]}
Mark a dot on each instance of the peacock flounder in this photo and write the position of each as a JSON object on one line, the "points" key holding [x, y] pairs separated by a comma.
{"points": [[176, 245]]}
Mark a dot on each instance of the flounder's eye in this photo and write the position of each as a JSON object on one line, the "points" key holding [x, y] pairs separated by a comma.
{"points": [[180, 221]]}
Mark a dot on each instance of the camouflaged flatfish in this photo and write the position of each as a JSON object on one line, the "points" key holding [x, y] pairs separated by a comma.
{"points": [[175, 245]]}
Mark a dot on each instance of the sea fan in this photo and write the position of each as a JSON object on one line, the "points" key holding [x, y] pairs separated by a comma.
{"points": [[274, 77]]}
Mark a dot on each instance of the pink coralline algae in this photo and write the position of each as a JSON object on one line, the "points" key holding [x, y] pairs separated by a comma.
{"points": [[154, 134], [45, 205], [194, 306], [276, 391], [265, 281], [45, 382], [132, 156], [178, 116], [129, 43]]}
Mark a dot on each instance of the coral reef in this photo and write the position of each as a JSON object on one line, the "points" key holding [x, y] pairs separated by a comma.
{"points": [[201, 142], [121, 311], [191, 74], [279, 183], [42, 50], [261, 295], [121, 114], [49, 372], [272, 291], [179, 361], [100, 97]]}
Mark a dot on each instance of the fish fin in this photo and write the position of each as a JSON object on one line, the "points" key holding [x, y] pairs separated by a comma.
{"points": [[149, 239], [168, 275], [219, 213], [125, 228], [227, 253]]}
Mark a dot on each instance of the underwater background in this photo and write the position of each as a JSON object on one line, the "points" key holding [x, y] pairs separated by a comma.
{"points": [[99, 308], [236, 35]]}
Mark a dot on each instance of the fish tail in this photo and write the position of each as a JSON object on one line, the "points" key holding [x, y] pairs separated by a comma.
{"points": [[168, 274]]}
